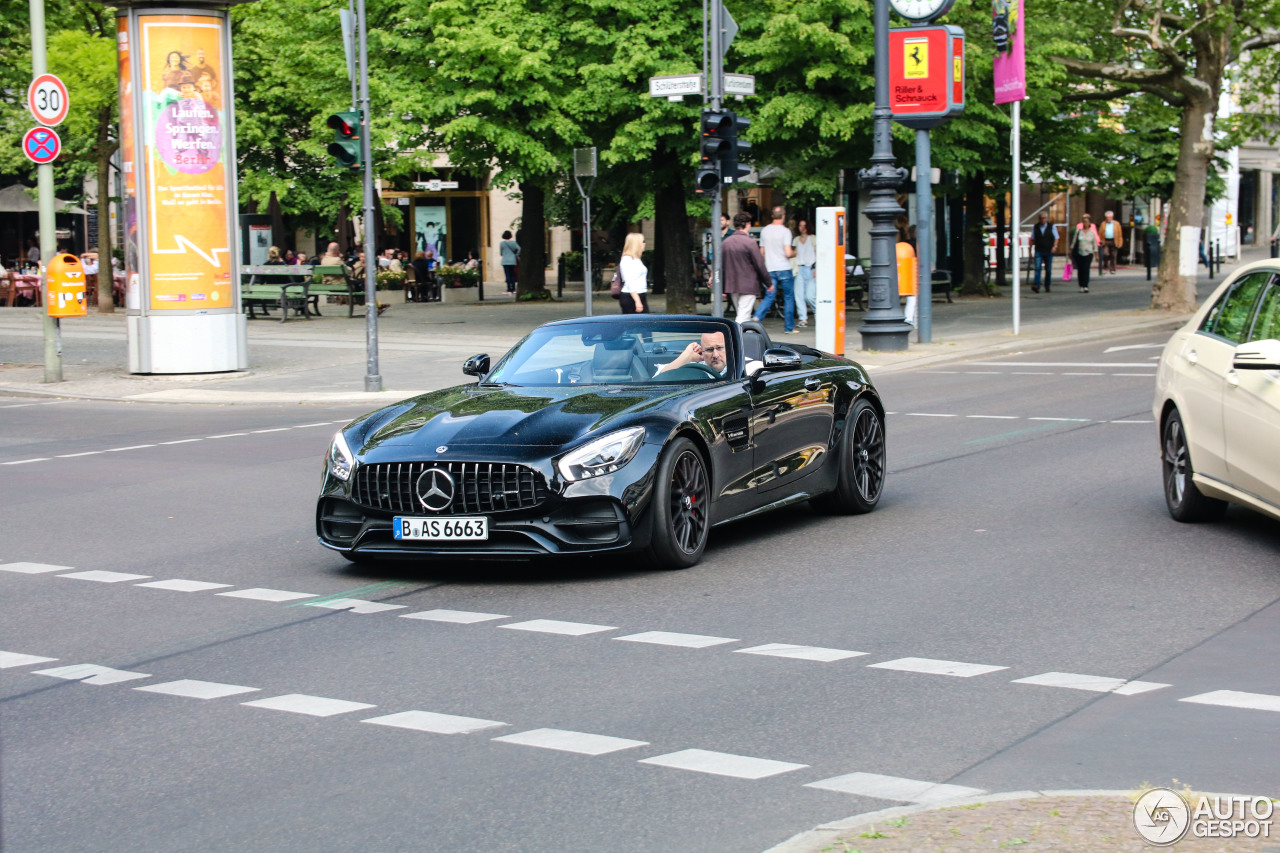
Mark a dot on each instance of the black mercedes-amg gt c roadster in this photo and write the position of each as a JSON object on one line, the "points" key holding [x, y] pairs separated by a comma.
{"points": [[629, 434]]}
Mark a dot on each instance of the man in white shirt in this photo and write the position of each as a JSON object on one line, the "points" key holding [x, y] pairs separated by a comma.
{"points": [[775, 242]]}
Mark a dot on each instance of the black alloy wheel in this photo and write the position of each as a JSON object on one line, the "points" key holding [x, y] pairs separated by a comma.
{"points": [[680, 507], [1185, 501], [862, 464]]}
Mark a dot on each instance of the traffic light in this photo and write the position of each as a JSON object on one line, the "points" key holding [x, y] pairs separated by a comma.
{"points": [[346, 145], [712, 146], [707, 181], [736, 149]]}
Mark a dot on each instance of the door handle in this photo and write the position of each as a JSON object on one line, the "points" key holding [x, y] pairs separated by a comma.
{"points": [[1233, 379], [812, 383], [1193, 356]]}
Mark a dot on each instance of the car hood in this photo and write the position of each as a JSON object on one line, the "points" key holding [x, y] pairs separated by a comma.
{"points": [[475, 416]]}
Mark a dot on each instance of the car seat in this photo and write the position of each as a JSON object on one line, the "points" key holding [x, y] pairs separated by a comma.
{"points": [[755, 340], [617, 361]]}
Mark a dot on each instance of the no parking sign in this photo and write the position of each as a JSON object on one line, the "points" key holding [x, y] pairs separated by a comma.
{"points": [[41, 145]]}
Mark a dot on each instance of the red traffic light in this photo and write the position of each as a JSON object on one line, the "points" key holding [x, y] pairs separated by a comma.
{"points": [[345, 124]]}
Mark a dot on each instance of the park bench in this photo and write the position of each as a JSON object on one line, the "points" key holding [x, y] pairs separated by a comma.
{"points": [[275, 286], [349, 289]]}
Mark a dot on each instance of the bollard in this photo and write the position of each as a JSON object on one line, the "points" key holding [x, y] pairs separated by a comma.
{"points": [[1217, 245], [1209, 252], [1275, 248], [560, 278], [1146, 256]]}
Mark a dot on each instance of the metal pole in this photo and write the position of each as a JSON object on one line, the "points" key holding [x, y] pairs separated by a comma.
{"points": [[1017, 214], [372, 379], [715, 89], [924, 247], [48, 228], [351, 8], [884, 327], [586, 252]]}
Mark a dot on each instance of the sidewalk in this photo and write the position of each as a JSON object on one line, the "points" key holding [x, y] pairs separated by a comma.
{"points": [[422, 346]]}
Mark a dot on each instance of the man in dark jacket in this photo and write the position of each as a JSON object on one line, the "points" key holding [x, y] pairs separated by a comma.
{"points": [[744, 270]]}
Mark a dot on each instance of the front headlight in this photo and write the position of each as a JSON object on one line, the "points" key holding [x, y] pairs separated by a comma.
{"points": [[341, 460], [603, 455]]}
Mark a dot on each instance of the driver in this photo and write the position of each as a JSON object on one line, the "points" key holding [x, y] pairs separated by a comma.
{"points": [[709, 351]]}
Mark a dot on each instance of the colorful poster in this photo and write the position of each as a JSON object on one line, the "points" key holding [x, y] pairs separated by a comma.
{"points": [[429, 223], [132, 263], [1010, 65], [184, 154]]}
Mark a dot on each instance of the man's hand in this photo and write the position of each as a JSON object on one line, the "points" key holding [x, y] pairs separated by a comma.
{"points": [[693, 352]]}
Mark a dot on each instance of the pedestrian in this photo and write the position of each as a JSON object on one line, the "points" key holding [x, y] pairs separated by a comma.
{"points": [[1044, 240], [1112, 237], [1084, 245], [33, 253], [775, 242], [806, 283], [431, 290], [634, 298], [744, 271], [726, 226], [510, 258], [290, 258], [422, 276]]}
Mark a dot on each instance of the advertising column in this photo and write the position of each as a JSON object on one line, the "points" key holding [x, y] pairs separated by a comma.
{"points": [[178, 147], [829, 272]]}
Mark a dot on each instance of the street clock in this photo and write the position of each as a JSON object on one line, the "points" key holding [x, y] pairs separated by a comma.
{"points": [[921, 11]]}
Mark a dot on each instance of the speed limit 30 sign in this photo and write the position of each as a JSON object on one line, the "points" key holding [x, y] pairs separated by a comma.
{"points": [[47, 99]]}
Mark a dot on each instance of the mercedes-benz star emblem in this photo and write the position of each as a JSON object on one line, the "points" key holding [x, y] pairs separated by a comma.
{"points": [[435, 489], [442, 448]]}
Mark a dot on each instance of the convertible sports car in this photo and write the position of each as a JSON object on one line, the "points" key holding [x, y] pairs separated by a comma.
{"points": [[622, 434]]}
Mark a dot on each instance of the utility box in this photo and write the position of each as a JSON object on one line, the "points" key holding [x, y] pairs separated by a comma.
{"points": [[829, 273], [64, 282]]}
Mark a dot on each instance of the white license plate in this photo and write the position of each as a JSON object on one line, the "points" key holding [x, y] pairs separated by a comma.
{"points": [[449, 528]]}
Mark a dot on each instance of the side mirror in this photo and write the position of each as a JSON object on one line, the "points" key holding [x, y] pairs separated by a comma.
{"points": [[477, 365], [780, 358], [1257, 355]]}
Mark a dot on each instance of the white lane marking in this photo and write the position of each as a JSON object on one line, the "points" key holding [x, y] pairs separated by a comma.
{"points": [[459, 617], [179, 585], [321, 423], [182, 441], [261, 594], [1133, 374], [926, 415], [567, 741], [894, 788], [929, 666], [1132, 346], [9, 660], [275, 429], [1032, 373], [1094, 683], [105, 577], [33, 568], [723, 764], [942, 371], [1237, 699], [786, 650], [1060, 363], [1067, 420], [355, 605], [132, 447], [996, 417], [86, 453], [91, 673], [193, 689], [555, 626], [315, 706], [25, 461], [1130, 422], [982, 373], [227, 435], [441, 724], [1083, 374], [668, 638]]}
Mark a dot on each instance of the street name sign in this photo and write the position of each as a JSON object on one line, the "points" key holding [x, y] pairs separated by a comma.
{"points": [[41, 145], [926, 75], [739, 84], [47, 99], [435, 186], [675, 86]]}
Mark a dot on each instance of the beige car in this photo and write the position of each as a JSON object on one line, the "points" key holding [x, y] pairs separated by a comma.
{"points": [[1218, 400]]}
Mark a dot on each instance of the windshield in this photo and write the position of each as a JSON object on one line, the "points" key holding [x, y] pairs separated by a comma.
{"points": [[612, 353]]}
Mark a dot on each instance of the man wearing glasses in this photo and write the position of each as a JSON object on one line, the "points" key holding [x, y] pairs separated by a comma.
{"points": [[711, 352]]}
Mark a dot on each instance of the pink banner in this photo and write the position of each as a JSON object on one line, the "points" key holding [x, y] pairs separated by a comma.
{"points": [[1010, 64]]}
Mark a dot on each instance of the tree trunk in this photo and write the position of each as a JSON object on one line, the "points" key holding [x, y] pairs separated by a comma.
{"points": [[532, 276], [1173, 290], [676, 245], [106, 148], [975, 254], [1002, 277]]}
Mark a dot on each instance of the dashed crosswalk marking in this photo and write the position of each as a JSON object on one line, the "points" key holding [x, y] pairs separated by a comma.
{"points": [[193, 689], [929, 666], [12, 659], [355, 605], [723, 764], [1094, 683], [568, 741], [458, 617], [1237, 699], [90, 673], [555, 626], [179, 585], [667, 638], [99, 576], [786, 650], [261, 594], [894, 788], [33, 568], [314, 706], [428, 721]]}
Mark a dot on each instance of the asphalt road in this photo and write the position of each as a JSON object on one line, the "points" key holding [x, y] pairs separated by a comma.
{"points": [[1023, 534]]}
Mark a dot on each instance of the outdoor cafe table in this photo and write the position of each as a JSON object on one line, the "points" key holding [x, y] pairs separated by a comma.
{"points": [[26, 285], [271, 283]]}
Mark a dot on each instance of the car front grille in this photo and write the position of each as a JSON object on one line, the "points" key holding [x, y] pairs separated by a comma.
{"points": [[479, 487]]}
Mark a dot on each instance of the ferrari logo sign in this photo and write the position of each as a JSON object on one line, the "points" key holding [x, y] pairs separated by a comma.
{"points": [[915, 58], [926, 82]]}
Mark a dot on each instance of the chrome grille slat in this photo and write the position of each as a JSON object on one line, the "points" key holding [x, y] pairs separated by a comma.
{"points": [[481, 487]]}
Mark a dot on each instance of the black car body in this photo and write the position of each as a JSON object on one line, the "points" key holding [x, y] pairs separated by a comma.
{"points": [[572, 445]]}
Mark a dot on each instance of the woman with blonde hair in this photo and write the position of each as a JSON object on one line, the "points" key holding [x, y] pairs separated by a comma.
{"points": [[635, 286]]}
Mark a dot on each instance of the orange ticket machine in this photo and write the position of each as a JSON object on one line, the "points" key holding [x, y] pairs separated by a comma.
{"points": [[65, 281], [829, 274]]}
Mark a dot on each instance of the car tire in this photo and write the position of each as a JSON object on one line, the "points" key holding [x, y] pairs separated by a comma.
{"points": [[682, 495], [1185, 501], [862, 462]]}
